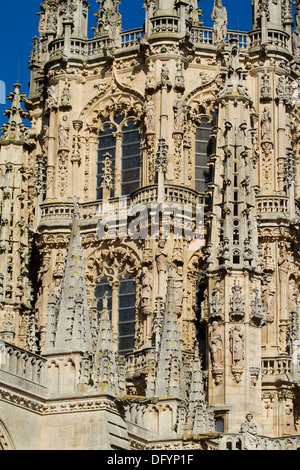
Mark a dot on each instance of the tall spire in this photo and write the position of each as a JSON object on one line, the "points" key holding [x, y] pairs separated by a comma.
{"points": [[109, 20], [72, 332], [170, 374], [104, 372], [15, 130]]}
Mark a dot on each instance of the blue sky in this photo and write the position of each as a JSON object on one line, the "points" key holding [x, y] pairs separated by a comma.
{"points": [[19, 23]]}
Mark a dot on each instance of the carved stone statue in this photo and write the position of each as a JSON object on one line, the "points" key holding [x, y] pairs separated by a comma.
{"points": [[161, 256], [216, 345], [178, 289], [149, 115], [178, 114], [269, 297], [266, 125], [293, 296], [249, 430], [147, 285], [150, 80], [237, 345], [296, 37], [219, 17], [63, 133]]}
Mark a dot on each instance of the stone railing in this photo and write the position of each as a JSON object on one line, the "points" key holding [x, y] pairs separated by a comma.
{"points": [[165, 25], [22, 364], [237, 442], [275, 38], [132, 37], [272, 205], [173, 194], [204, 36], [56, 211], [160, 25], [137, 363], [277, 366]]}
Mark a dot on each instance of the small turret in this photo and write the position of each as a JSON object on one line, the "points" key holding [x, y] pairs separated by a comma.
{"points": [[15, 129]]}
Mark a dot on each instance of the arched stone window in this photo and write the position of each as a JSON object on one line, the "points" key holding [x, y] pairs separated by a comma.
{"points": [[118, 159], [204, 147], [121, 305]]}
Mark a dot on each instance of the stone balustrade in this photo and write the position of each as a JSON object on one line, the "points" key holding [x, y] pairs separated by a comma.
{"points": [[277, 366], [22, 364], [53, 213], [138, 362], [237, 442], [275, 38], [132, 37], [160, 25], [272, 205], [165, 25]]}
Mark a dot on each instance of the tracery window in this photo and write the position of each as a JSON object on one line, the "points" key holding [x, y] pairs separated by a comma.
{"points": [[121, 307], [203, 149], [118, 160]]}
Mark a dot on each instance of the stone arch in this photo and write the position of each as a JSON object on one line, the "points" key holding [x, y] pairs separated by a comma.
{"points": [[6, 442], [111, 98], [113, 260]]}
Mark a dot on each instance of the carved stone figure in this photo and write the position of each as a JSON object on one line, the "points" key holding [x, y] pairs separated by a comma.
{"points": [[178, 289], [249, 431], [149, 115], [63, 133], [179, 112], [219, 17], [147, 285], [161, 256], [237, 345], [266, 125], [216, 344]]}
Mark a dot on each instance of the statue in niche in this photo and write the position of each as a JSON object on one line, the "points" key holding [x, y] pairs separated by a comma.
{"points": [[178, 289], [266, 87], [179, 113], [51, 102], [150, 80], [220, 19], [237, 302], [165, 74], [269, 298], [216, 345], [296, 37], [45, 140], [249, 430], [63, 133], [179, 77], [147, 285], [161, 256], [66, 95], [293, 296], [237, 345], [149, 115], [266, 125]]}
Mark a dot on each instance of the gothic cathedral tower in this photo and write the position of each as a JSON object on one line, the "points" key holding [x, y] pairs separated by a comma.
{"points": [[149, 238]]}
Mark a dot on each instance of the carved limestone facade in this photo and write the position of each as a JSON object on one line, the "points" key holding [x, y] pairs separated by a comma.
{"points": [[149, 232]]}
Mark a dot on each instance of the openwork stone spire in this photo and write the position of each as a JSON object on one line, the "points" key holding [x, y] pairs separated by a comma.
{"points": [[170, 375], [109, 20], [72, 320], [104, 373], [15, 130]]}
